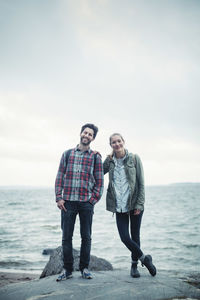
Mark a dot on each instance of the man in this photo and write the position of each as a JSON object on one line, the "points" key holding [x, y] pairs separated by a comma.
{"points": [[78, 187]]}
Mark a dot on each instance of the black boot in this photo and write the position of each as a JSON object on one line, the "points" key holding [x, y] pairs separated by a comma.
{"points": [[147, 262], [134, 271]]}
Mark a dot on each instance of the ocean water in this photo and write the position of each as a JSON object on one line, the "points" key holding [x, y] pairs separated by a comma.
{"points": [[170, 231]]}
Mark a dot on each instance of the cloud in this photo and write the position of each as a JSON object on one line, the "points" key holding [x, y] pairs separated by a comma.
{"points": [[131, 68]]}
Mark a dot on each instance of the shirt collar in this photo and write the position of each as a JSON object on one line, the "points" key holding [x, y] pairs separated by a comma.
{"points": [[77, 149]]}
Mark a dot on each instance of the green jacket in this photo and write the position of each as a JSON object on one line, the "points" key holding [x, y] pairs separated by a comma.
{"points": [[135, 176]]}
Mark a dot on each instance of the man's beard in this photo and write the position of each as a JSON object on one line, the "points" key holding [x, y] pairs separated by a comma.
{"points": [[85, 143]]}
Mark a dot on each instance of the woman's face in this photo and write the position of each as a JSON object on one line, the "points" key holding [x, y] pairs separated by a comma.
{"points": [[117, 143]]}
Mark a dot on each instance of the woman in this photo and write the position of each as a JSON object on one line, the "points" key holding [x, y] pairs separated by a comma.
{"points": [[125, 197]]}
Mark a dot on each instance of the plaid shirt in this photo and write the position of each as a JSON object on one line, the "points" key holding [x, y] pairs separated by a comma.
{"points": [[81, 179]]}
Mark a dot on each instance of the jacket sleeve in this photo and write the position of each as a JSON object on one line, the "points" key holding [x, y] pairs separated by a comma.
{"points": [[99, 181], [106, 165], [60, 178], [140, 184]]}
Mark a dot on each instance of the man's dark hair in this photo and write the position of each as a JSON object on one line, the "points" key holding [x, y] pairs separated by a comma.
{"points": [[91, 126]]}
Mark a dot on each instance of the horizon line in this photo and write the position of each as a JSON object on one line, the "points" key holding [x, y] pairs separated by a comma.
{"points": [[46, 186]]}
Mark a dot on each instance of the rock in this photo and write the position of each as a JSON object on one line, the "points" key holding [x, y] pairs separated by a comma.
{"points": [[193, 279], [55, 263], [47, 251], [112, 285]]}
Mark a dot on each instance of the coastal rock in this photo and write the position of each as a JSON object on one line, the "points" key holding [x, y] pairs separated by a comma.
{"points": [[55, 263], [112, 285], [47, 251]]}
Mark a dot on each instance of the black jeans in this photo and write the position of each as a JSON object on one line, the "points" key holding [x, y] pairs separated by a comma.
{"points": [[133, 242], [68, 219]]}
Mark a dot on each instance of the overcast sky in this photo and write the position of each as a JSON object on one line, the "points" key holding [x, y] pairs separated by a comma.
{"points": [[128, 66]]}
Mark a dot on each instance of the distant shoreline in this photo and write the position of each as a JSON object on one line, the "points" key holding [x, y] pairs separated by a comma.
{"points": [[184, 183]]}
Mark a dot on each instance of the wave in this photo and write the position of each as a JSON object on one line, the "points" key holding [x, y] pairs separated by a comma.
{"points": [[192, 246], [52, 227], [15, 204], [10, 264]]}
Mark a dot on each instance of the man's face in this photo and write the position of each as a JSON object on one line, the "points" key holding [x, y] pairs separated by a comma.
{"points": [[87, 136]]}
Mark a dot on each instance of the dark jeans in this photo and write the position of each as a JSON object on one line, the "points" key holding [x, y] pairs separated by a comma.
{"points": [[133, 242], [68, 219]]}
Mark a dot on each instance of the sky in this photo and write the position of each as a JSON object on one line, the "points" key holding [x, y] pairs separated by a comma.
{"points": [[131, 67]]}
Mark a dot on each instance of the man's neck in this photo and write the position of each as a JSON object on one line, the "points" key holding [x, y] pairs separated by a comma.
{"points": [[83, 148]]}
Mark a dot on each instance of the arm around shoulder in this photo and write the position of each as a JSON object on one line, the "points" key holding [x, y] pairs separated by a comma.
{"points": [[99, 180], [106, 164]]}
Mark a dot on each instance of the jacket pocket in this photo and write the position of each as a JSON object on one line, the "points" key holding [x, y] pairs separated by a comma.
{"points": [[130, 164]]}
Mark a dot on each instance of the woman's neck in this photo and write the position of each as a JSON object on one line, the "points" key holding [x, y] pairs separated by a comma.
{"points": [[120, 154]]}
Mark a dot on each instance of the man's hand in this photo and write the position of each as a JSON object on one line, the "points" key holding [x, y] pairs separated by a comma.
{"points": [[61, 205], [136, 212]]}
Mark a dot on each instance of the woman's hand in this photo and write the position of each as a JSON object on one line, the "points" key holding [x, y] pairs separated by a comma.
{"points": [[136, 212]]}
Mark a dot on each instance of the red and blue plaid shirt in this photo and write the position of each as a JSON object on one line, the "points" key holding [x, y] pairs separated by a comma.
{"points": [[81, 178]]}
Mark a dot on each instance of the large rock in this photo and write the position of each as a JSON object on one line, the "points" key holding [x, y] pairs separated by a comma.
{"points": [[112, 285], [55, 263]]}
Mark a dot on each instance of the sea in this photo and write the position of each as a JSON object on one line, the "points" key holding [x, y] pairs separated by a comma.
{"points": [[170, 230]]}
